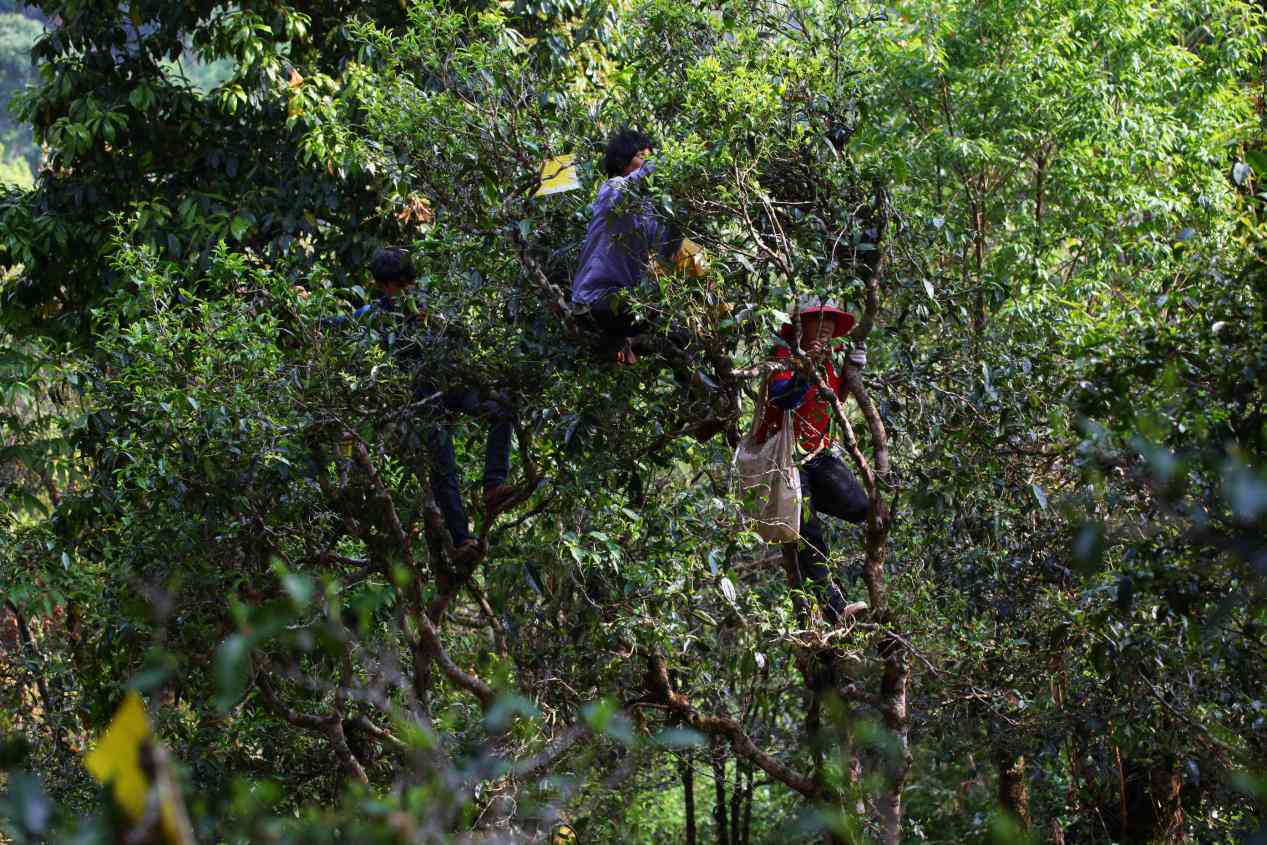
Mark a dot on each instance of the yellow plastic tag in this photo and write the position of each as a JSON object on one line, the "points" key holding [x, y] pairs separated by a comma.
{"points": [[117, 758], [558, 175]]}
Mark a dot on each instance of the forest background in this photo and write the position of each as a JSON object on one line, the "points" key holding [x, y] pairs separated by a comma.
{"points": [[1048, 216]]}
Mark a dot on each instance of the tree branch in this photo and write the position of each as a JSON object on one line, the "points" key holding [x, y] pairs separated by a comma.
{"points": [[330, 726], [430, 647], [546, 757], [660, 691], [362, 455]]}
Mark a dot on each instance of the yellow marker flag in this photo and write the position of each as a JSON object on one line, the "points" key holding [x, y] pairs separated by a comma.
{"points": [[117, 758], [558, 175]]}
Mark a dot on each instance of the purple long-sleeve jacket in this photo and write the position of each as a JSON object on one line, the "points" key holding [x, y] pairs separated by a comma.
{"points": [[618, 241]]}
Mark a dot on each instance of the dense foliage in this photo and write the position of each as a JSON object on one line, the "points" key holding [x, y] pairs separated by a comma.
{"points": [[1050, 220]]}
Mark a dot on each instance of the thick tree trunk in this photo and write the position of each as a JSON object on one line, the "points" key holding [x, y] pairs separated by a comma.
{"points": [[1148, 809], [1013, 788]]}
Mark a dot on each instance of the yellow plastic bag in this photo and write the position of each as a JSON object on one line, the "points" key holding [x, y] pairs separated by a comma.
{"points": [[690, 259]]}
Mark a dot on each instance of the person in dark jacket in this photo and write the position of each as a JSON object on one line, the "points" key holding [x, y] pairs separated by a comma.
{"points": [[623, 233], [394, 275], [829, 486]]}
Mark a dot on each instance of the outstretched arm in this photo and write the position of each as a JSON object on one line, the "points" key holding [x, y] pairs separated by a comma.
{"points": [[614, 188]]}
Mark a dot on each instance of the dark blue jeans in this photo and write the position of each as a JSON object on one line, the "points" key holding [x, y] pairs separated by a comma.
{"points": [[832, 490], [444, 468]]}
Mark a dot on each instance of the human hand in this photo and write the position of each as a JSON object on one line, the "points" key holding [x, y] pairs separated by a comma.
{"points": [[858, 355], [819, 351]]}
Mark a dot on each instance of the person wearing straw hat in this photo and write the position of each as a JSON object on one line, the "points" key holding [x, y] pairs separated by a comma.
{"points": [[831, 489]]}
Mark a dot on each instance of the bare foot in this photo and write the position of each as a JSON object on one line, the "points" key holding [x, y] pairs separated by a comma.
{"points": [[468, 551], [625, 355], [496, 496]]}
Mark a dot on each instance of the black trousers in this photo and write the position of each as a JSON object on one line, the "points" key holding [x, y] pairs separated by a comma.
{"points": [[832, 490], [444, 470], [614, 322]]}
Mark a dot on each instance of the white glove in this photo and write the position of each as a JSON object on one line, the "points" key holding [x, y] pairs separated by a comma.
{"points": [[858, 355]]}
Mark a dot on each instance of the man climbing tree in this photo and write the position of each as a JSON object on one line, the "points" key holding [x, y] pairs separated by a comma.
{"points": [[831, 488], [394, 274], [621, 235]]}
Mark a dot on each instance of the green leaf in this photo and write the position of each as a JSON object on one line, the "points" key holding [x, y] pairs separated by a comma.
{"points": [[300, 588], [1088, 547], [679, 738], [239, 227], [1257, 159], [728, 589], [231, 666], [28, 805]]}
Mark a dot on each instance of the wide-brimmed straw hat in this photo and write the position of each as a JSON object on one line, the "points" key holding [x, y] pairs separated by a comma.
{"points": [[810, 305]]}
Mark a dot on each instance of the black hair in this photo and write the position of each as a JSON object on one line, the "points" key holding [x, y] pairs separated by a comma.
{"points": [[622, 148], [392, 264]]}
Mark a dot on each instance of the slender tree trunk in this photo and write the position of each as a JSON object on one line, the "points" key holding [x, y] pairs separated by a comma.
{"points": [[978, 253], [736, 803], [897, 671], [27, 643], [814, 729], [792, 568], [719, 801], [747, 809], [893, 652], [1040, 180], [687, 770]]}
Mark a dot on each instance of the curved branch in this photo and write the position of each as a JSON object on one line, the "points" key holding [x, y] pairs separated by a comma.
{"points": [[363, 724], [852, 376], [660, 691], [546, 757], [330, 726], [389, 507], [430, 647], [560, 303]]}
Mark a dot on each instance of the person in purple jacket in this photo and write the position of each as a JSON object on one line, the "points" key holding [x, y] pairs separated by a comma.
{"points": [[618, 243]]}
